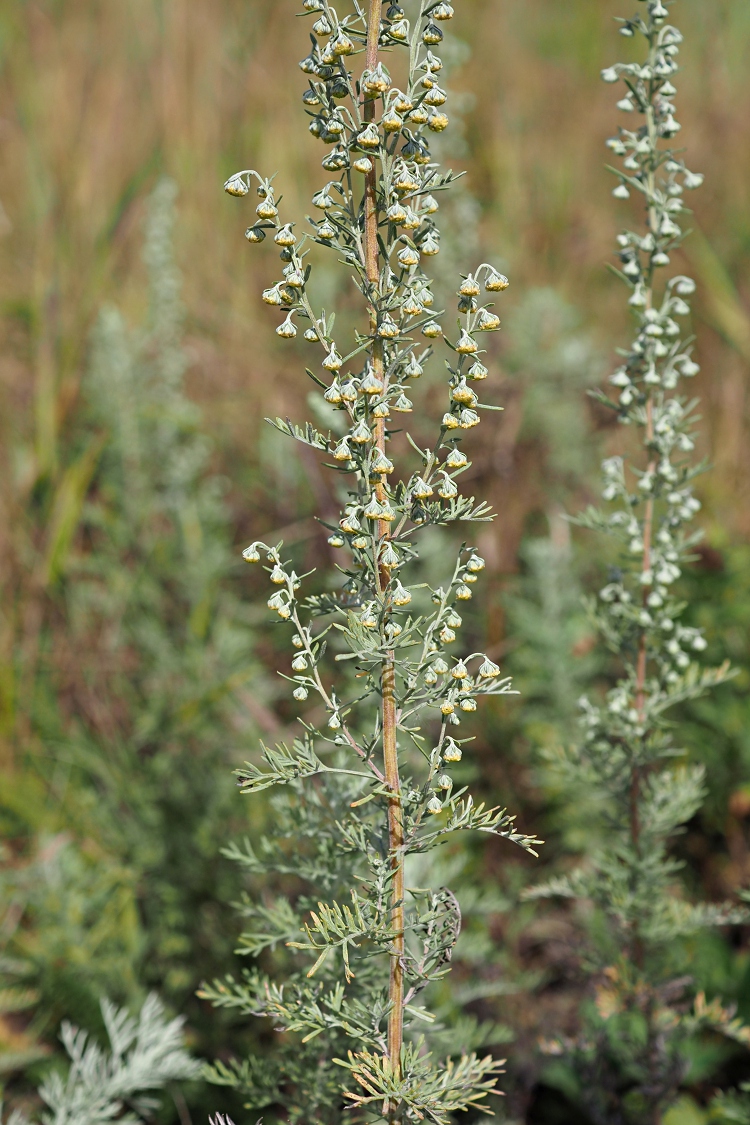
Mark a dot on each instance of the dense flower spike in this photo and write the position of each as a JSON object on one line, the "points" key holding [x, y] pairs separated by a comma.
{"points": [[366, 735], [636, 1045]]}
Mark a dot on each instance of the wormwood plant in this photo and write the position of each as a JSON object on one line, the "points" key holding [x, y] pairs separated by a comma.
{"points": [[632, 1055], [146, 1053], [369, 781]]}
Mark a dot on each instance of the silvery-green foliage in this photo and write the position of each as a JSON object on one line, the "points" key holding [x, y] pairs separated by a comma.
{"points": [[145, 1054], [381, 635], [630, 1057]]}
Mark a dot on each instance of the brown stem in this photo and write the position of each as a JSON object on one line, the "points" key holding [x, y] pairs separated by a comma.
{"points": [[388, 671], [641, 667]]}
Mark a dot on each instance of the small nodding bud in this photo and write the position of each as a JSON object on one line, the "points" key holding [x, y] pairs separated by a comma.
{"points": [[456, 459], [408, 257], [335, 541], [432, 35], [342, 452], [267, 209], [413, 369], [468, 704], [400, 596], [391, 121], [363, 165], [420, 489], [469, 287], [255, 234], [496, 282], [432, 330], [477, 370], [450, 422], [251, 554], [467, 419], [403, 404], [487, 321], [442, 12], [459, 672], [287, 329], [452, 752], [488, 670], [463, 593], [285, 236], [333, 361], [300, 693], [447, 707], [466, 345], [236, 185], [437, 122]]}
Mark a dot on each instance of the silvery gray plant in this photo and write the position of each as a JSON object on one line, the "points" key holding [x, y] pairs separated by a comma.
{"points": [[631, 1056], [382, 682]]}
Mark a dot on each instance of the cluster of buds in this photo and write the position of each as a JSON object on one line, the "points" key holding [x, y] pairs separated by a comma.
{"points": [[656, 502], [371, 381]]}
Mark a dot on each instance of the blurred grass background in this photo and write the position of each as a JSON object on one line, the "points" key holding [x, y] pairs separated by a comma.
{"points": [[134, 667]]}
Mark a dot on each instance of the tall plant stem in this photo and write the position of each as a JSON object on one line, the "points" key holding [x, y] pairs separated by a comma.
{"points": [[388, 671]]}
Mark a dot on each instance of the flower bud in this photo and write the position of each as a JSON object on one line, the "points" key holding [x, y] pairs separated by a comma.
{"points": [[400, 595], [435, 805], [442, 12], [466, 345], [236, 185], [463, 593], [333, 394], [435, 97], [399, 30], [430, 245], [496, 282], [437, 121], [361, 543], [477, 370], [388, 328], [251, 554], [369, 138], [452, 752], [447, 707], [333, 360], [322, 26], [411, 306], [448, 488], [468, 704], [299, 664], [413, 369], [287, 328], [468, 287], [488, 670], [368, 618], [459, 672], [432, 35], [375, 82], [300, 693], [463, 394], [487, 321], [380, 410], [336, 541], [326, 230], [432, 330], [391, 121], [408, 257], [341, 44], [419, 116], [271, 296], [363, 165], [323, 199], [361, 433], [450, 422], [389, 558], [267, 209], [285, 237], [337, 159], [456, 459], [342, 452], [468, 418], [420, 489], [255, 234]]}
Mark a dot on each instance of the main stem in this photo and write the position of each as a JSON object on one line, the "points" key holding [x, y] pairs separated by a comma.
{"points": [[388, 670]]}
